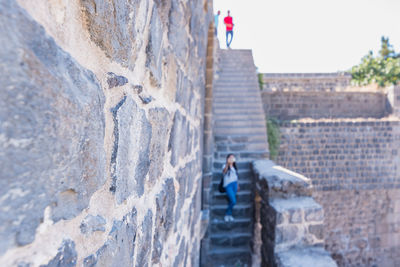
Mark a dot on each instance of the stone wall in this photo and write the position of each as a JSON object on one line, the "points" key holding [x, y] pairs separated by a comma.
{"points": [[289, 105], [101, 132], [353, 165], [305, 81]]}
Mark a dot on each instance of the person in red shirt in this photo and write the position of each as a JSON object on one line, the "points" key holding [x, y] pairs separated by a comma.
{"points": [[229, 28]]}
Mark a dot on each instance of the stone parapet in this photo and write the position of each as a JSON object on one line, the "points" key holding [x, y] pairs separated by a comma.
{"points": [[305, 81], [291, 220]]}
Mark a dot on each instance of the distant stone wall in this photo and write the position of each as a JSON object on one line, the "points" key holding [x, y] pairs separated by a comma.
{"points": [[305, 81], [101, 132], [353, 166], [289, 105]]}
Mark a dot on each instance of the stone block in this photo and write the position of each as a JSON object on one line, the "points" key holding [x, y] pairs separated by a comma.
{"points": [[130, 160], [179, 134], [144, 242], [165, 202], [65, 257], [159, 119], [120, 245], [117, 27], [315, 215], [317, 230], [286, 233], [304, 257], [92, 223], [51, 132], [296, 216]]}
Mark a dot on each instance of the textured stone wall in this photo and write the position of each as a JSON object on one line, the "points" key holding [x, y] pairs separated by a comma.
{"points": [[289, 105], [101, 132], [305, 81], [353, 165]]}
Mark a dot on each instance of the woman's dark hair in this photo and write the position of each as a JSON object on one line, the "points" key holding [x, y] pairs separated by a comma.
{"points": [[234, 163]]}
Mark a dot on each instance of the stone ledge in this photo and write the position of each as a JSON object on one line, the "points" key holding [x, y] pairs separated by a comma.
{"points": [[281, 182], [305, 257]]}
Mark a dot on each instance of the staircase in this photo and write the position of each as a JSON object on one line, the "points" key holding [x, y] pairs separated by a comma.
{"points": [[240, 129]]}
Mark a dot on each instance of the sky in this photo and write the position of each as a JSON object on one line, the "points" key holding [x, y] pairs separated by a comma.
{"points": [[310, 35]]}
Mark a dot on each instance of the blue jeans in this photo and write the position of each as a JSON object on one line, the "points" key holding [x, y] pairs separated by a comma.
{"points": [[231, 190], [230, 41]]}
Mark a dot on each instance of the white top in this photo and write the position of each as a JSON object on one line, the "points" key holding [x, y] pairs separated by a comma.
{"points": [[230, 176]]}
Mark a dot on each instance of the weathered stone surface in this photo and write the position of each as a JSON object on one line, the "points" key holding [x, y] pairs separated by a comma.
{"points": [[286, 233], [146, 99], [66, 256], [165, 203], [178, 19], [305, 257], [295, 216], [159, 119], [144, 244], [185, 177], [281, 181], [51, 131], [120, 246], [178, 137], [317, 230], [130, 159], [114, 80], [153, 49], [115, 27], [179, 259], [92, 223], [314, 215], [184, 91]]}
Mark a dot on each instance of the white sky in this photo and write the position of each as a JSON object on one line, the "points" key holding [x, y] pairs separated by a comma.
{"points": [[310, 35]]}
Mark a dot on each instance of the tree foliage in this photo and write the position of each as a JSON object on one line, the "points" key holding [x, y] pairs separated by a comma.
{"points": [[383, 69]]}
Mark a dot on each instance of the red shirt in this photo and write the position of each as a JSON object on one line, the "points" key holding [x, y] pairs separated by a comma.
{"points": [[228, 22]]}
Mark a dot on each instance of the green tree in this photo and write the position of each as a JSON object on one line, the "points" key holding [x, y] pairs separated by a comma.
{"points": [[383, 69]]}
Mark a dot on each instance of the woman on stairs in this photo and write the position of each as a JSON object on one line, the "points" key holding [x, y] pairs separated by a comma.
{"points": [[230, 176]]}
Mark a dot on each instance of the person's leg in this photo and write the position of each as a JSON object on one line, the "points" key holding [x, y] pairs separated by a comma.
{"points": [[227, 34], [231, 193], [230, 41]]}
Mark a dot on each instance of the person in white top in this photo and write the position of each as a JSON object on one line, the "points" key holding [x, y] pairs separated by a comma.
{"points": [[230, 174]]}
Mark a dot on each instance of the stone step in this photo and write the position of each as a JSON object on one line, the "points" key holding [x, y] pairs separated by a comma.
{"points": [[243, 173], [305, 257], [239, 138], [236, 86], [242, 131], [244, 185], [235, 95], [262, 154], [236, 101], [237, 68], [231, 239], [238, 225], [239, 211], [230, 257], [238, 117], [242, 112], [243, 196], [239, 123], [232, 148], [244, 102]]}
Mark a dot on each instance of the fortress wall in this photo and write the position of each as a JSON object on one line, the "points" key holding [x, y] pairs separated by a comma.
{"points": [[101, 120], [353, 165], [305, 81], [289, 105]]}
